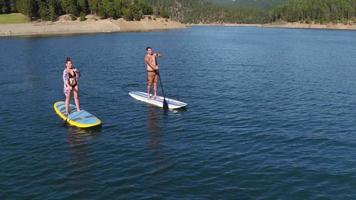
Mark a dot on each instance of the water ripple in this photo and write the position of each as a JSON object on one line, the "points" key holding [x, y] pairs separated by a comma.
{"points": [[271, 115]]}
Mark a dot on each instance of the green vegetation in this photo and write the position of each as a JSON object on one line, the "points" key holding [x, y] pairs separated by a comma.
{"points": [[13, 18], [319, 11], [196, 11], [51, 9], [266, 4], [191, 11], [260, 11], [82, 16]]}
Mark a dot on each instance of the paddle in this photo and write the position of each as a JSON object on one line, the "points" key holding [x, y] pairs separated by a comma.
{"points": [[165, 104]]}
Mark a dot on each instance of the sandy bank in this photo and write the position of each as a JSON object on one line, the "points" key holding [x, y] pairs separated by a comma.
{"points": [[289, 25], [89, 26], [337, 26], [228, 24]]}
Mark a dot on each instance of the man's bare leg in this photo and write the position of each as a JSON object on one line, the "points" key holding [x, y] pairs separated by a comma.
{"points": [[155, 89], [148, 90]]}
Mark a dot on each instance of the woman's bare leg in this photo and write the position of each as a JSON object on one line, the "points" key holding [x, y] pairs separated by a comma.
{"points": [[76, 95], [67, 103]]}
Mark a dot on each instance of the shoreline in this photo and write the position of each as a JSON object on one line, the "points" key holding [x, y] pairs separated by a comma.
{"points": [[228, 25], [87, 27], [289, 25], [147, 24], [298, 25]]}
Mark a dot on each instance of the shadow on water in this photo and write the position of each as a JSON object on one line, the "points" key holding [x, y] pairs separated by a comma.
{"points": [[183, 109], [83, 133]]}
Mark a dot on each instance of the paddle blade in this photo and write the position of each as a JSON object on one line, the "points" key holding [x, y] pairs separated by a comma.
{"points": [[165, 104]]}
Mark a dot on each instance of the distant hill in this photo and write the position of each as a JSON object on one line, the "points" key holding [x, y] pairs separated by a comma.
{"points": [[253, 3], [210, 11], [316, 11]]}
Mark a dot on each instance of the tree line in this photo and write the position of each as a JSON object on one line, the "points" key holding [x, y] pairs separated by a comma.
{"points": [[226, 14], [318, 11], [187, 11], [196, 11], [51, 9]]}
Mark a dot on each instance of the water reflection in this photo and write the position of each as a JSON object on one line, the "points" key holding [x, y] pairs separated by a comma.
{"points": [[81, 161], [153, 126]]}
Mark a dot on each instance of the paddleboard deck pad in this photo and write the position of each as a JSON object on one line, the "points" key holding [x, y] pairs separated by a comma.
{"points": [[157, 101], [81, 119]]}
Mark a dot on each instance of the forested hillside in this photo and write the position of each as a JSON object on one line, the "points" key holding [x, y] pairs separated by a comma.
{"points": [[265, 4], [205, 11], [191, 11], [319, 11], [51, 9]]}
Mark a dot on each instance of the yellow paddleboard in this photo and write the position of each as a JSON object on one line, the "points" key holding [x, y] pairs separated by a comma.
{"points": [[81, 119]]}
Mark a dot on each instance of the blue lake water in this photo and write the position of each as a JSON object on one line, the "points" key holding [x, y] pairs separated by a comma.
{"points": [[271, 115]]}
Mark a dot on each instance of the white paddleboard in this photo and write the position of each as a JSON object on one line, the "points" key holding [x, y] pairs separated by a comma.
{"points": [[157, 101]]}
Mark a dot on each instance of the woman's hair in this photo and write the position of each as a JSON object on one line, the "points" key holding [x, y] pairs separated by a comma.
{"points": [[67, 60]]}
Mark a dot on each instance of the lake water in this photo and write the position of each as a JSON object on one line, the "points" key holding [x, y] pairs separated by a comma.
{"points": [[271, 115]]}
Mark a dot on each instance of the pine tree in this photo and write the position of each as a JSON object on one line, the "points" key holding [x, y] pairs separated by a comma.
{"points": [[65, 5], [133, 12], [101, 9], [27, 7], [109, 9], [73, 7], [120, 6], [144, 6], [3, 7], [12, 6], [43, 10], [54, 9], [93, 6], [83, 6]]}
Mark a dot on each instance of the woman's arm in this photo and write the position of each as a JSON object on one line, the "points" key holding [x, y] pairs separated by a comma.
{"points": [[66, 78], [77, 72]]}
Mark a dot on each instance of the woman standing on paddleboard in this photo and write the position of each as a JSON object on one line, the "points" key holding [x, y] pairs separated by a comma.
{"points": [[70, 79]]}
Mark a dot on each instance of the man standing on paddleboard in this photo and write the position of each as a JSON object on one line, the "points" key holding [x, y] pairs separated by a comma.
{"points": [[152, 70], [70, 79]]}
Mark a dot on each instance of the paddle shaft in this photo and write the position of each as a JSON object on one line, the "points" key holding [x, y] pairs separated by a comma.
{"points": [[165, 104], [160, 82]]}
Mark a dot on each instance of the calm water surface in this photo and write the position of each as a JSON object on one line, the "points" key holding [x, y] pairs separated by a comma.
{"points": [[271, 115]]}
